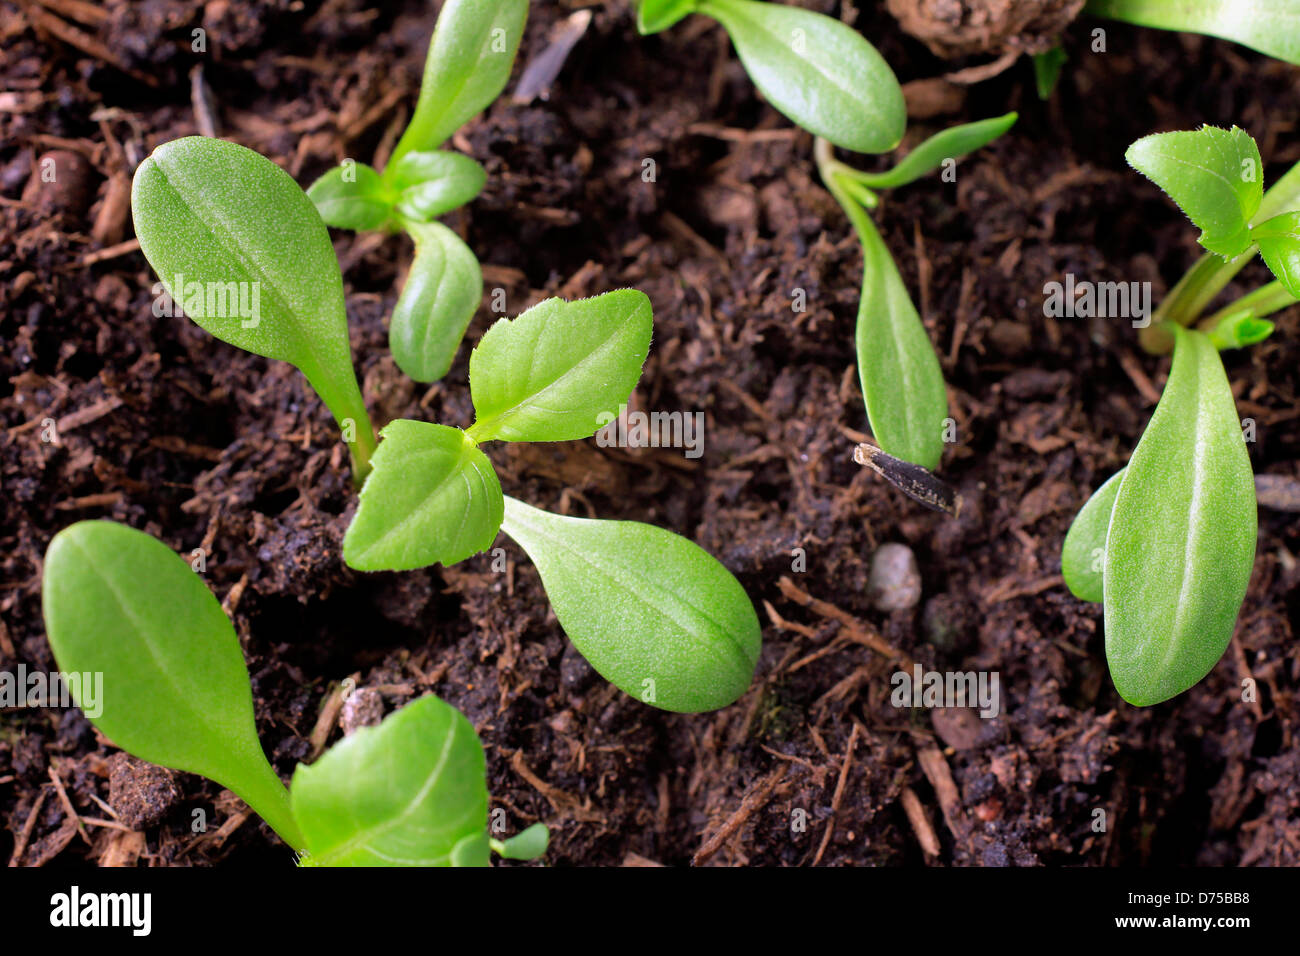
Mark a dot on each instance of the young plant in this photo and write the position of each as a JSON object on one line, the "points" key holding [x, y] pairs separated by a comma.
{"points": [[829, 80], [410, 792], [654, 613], [677, 631], [1269, 26], [470, 56], [1167, 544]]}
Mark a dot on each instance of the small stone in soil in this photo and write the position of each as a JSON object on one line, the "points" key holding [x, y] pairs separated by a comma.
{"points": [[894, 583], [363, 708], [140, 793]]}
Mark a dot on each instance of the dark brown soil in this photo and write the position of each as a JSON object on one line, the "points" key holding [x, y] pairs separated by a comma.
{"points": [[172, 432]]}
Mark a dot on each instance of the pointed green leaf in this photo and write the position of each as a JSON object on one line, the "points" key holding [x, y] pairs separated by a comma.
{"points": [[654, 613], [901, 379], [435, 182], [470, 57], [526, 845], [1214, 175], [818, 72], [653, 16], [1182, 534], [1047, 70], [122, 605], [433, 497], [410, 792], [950, 144], [442, 292], [352, 196], [1083, 556], [1279, 245], [1269, 26], [552, 373], [221, 224]]}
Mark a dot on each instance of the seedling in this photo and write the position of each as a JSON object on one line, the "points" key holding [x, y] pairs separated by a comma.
{"points": [[470, 56], [653, 612], [410, 792], [1167, 544], [829, 80], [1269, 26]]}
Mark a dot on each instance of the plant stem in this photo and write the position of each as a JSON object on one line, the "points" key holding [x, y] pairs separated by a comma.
{"points": [[1263, 301], [269, 798], [829, 167], [1186, 300]]}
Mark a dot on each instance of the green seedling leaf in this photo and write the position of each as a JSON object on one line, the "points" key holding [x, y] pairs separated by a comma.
{"points": [[243, 251], [900, 375], [552, 373], [470, 57], [818, 72], [352, 196], [122, 605], [433, 497], [1239, 330], [1182, 534], [1047, 70], [653, 16], [1083, 556], [527, 845], [654, 613], [1279, 245], [410, 792], [442, 292], [1215, 177], [435, 182], [1269, 26], [930, 155]]}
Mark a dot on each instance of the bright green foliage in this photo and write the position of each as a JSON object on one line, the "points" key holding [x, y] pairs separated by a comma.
{"points": [[949, 144], [652, 16], [441, 294], [122, 604], [1182, 534], [353, 196], [1279, 246], [1239, 330], [821, 74], [654, 613], [1083, 556], [231, 226], [433, 497], [551, 373], [1214, 175], [433, 183], [1269, 26], [526, 845], [405, 793]]}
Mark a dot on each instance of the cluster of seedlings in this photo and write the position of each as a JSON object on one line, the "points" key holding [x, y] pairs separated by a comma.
{"points": [[1166, 545]]}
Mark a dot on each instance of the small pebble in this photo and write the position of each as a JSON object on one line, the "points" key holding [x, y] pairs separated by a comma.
{"points": [[363, 708], [140, 793], [894, 583]]}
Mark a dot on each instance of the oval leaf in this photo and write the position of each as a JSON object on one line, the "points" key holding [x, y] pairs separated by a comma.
{"points": [[1083, 556], [352, 197], [900, 375], [527, 845], [222, 225], [1182, 534], [950, 144], [655, 614], [409, 792], [818, 72], [1269, 26], [432, 497], [435, 182], [1214, 175], [561, 369], [470, 57], [441, 295], [1279, 244], [122, 605]]}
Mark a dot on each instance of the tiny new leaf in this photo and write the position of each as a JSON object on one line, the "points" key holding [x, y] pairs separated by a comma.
{"points": [[653, 16], [442, 292], [434, 182], [655, 614], [1214, 175], [410, 792], [1182, 534], [553, 372], [817, 71], [1083, 556], [352, 196], [121, 604], [433, 497]]}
